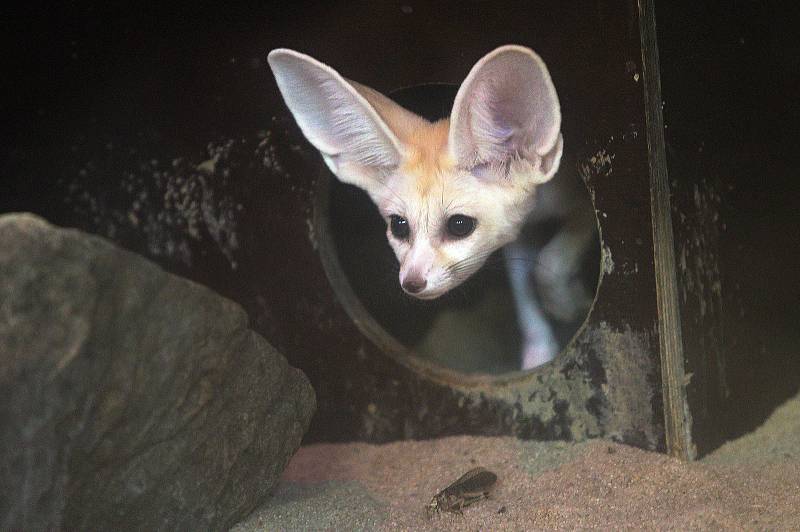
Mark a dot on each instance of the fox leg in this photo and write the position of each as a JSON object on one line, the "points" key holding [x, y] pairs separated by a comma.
{"points": [[557, 270], [539, 342]]}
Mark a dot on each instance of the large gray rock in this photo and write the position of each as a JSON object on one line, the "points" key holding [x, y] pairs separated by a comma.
{"points": [[129, 397]]}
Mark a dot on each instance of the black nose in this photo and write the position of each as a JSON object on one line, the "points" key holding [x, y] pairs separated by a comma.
{"points": [[414, 285]]}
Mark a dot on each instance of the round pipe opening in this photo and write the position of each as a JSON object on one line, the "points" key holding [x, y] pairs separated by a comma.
{"points": [[472, 331]]}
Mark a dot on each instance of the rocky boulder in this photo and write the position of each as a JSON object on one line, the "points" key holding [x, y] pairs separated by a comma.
{"points": [[130, 397]]}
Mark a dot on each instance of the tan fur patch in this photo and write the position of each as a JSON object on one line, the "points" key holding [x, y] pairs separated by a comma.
{"points": [[427, 157], [442, 257]]}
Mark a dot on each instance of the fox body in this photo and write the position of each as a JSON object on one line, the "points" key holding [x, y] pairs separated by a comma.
{"points": [[453, 191]]}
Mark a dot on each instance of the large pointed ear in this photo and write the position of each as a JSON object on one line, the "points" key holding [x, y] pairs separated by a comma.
{"points": [[507, 112], [337, 118]]}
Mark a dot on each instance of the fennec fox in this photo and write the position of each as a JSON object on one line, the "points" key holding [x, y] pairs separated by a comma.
{"points": [[453, 191]]}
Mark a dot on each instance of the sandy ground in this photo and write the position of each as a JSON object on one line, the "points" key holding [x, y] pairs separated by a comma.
{"points": [[752, 483]]}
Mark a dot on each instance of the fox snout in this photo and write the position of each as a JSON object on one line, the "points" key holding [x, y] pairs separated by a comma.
{"points": [[413, 283], [434, 279], [422, 286], [428, 272], [417, 277]]}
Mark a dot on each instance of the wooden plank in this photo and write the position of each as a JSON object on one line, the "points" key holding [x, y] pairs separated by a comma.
{"points": [[677, 418]]}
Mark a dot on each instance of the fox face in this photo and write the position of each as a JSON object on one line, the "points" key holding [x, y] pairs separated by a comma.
{"points": [[452, 191]]}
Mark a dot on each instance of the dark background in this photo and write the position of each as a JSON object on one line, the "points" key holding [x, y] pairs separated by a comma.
{"points": [[729, 74], [142, 83]]}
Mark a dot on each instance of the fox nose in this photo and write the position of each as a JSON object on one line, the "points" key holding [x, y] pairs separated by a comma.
{"points": [[414, 285]]}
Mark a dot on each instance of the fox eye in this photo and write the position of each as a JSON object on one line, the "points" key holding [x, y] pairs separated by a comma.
{"points": [[460, 225], [399, 227]]}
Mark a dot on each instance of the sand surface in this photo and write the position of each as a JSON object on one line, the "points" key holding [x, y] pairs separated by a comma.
{"points": [[751, 483]]}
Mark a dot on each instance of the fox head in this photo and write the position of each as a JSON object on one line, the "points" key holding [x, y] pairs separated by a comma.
{"points": [[453, 191]]}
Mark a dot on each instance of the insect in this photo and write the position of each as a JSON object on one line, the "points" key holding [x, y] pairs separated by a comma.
{"points": [[470, 487]]}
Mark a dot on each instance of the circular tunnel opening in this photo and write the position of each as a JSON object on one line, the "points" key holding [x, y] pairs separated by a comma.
{"points": [[475, 328]]}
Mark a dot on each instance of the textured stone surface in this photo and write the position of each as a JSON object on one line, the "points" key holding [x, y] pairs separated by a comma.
{"points": [[130, 397]]}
